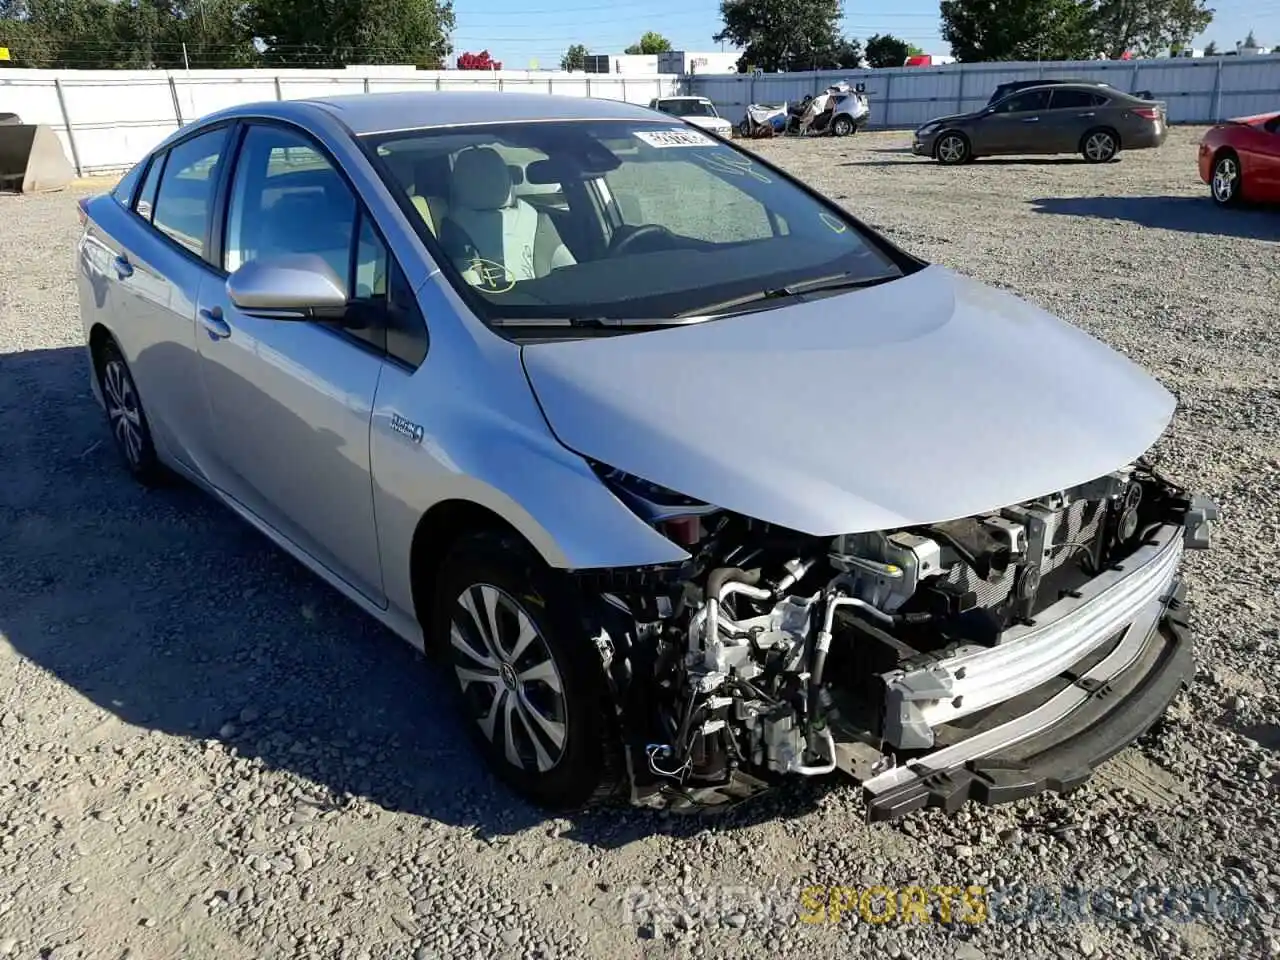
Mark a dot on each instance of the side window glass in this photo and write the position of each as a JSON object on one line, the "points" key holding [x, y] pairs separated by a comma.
{"points": [[1071, 100], [1035, 100], [406, 327], [147, 198], [288, 199], [371, 264], [184, 203], [123, 191]]}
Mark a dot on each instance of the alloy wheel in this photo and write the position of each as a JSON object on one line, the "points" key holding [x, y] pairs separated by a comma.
{"points": [[1226, 175], [509, 677], [123, 410], [951, 149], [1100, 147]]}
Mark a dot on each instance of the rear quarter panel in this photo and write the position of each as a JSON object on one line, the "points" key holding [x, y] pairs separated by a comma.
{"points": [[151, 316]]}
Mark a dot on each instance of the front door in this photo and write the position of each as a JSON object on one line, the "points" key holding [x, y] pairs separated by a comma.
{"points": [[1014, 125], [290, 401]]}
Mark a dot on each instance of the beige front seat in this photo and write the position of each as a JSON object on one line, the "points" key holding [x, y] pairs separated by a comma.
{"points": [[486, 221], [430, 188]]}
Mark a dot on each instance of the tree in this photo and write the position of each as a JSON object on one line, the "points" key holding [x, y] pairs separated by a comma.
{"points": [[478, 61], [650, 43], [340, 32], [886, 50], [847, 54], [782, 34], [575, 58], [1147, 27], [1249, 41], [1019, 29], [1210, 49]]}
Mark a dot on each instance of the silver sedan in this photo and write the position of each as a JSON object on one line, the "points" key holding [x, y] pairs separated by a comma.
{"points": [[692, 480]]}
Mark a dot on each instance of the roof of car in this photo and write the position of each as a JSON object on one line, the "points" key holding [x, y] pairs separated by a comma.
{"points": [[408, 110]]}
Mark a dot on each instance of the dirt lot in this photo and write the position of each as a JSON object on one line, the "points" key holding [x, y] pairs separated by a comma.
{"points": [[204, 752]]}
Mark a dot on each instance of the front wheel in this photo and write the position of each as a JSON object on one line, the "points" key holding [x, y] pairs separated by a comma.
{"points": [[1227, 180], [528, 673], [1100, 146], [953, 148], [843, 126]]}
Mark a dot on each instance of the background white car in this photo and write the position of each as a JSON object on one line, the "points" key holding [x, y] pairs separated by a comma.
{"points": [[697, 110]]}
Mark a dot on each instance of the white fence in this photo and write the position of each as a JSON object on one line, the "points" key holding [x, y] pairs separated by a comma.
{"points": [[108, 119], [1197, 91]]}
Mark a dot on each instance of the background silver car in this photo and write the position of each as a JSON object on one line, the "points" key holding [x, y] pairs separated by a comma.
{"points": [[662, 450]]}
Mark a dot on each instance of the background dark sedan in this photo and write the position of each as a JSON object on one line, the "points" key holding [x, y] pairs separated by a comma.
{"points": [[1094, 121]]}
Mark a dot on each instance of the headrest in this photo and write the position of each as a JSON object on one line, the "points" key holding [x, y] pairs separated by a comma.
{"points": [[431, 176], [481, 180]]}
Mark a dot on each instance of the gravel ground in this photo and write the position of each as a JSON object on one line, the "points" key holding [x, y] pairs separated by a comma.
{"points": [[205, 752]]}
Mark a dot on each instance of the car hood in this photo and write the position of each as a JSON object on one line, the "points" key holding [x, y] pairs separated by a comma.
{"points": [[925, 399], [954, 118], [709, 123]]}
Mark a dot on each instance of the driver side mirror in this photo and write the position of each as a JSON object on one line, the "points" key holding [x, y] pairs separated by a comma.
{"points": [[292, 287]]}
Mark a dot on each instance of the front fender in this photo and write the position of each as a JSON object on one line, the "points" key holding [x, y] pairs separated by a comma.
{"points": [[438, 436]]}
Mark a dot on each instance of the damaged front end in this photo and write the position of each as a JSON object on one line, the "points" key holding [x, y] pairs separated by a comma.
{"points": [[984, 658]]}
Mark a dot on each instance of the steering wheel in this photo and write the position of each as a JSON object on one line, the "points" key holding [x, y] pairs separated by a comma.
{"points": [[617, 246]]}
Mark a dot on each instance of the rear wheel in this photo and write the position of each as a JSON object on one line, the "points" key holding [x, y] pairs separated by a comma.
{"points": [[843, 126], [528, 673], [1100, 146], [1227, 180], [130, 430], [952, 148]]}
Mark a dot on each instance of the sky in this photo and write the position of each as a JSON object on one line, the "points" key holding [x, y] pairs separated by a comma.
{"points": [[519, 32]]}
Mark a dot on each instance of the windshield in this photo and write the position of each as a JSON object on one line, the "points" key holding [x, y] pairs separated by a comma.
{"points": [[614, 219], [687, 108]]}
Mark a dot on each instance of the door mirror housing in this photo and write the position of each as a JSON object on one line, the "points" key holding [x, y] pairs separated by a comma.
{"points": [[290, 287]]}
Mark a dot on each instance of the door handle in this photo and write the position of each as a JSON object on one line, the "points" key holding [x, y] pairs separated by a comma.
{"points": [[214, 325], [1085, 114], [1030, 119], [124, 269]]}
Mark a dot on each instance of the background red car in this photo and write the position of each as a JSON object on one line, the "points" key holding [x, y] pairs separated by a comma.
{"points": [[1240, 159]]}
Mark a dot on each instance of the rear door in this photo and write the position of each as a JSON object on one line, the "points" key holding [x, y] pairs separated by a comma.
{"points": [[1072, 112], [1014, 126], [290, 401], [156, 264]]}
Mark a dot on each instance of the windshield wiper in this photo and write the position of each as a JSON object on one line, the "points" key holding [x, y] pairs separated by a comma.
{"points": [[592, 323], [839, 281]]}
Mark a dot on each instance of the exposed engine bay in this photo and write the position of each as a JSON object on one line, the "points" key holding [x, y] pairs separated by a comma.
{"points": [[773, 653]]}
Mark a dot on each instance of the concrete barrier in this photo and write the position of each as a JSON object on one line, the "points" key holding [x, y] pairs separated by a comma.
{"points": [[31, 159]]}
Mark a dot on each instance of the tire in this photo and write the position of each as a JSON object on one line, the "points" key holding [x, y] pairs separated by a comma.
{"points": [[744, 129], [565, 752], [1099, 146], [130, 429], [952, 148], [1228, 180], [843, 127]]}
